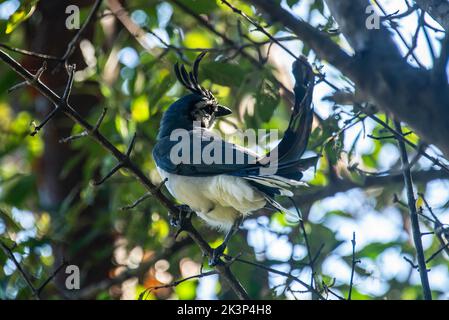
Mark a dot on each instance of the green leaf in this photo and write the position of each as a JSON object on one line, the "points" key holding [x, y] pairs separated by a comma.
{"points": [[374, 249], [200, 6], [197, 39], [9, 221], [7, 242], [19, 190], [25, 11], [224, 74], [140, 109], [266, 100], [317, 5], [186, 290], [333, 149], [162, 86], [319, 235]]}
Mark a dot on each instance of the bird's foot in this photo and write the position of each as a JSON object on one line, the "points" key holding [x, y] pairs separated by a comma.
{"points": [[217, 253], [182, 218]]}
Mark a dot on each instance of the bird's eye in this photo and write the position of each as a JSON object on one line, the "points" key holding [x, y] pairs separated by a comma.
{"points": [[205, 107], [210, 109]]}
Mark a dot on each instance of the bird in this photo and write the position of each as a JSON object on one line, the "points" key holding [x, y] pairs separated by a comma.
{"points": [[224, 192]]}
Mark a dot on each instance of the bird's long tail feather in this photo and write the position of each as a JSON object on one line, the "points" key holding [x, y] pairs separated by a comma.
{"points": [[294, 143]]}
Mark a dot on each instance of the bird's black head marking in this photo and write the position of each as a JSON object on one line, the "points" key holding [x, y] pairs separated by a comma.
{"points": [[207, 108]]}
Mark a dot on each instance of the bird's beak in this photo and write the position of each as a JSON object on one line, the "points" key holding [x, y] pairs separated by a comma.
{"points": [[222, 111]]}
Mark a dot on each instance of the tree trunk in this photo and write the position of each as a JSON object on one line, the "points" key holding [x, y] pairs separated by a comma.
{"points": [[90, 239]]}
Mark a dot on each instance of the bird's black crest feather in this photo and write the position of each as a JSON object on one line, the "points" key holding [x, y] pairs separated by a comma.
{"points": [[190, 79]]}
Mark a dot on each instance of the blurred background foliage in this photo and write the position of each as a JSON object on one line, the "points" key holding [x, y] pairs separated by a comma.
{"points": [[50, 211]]}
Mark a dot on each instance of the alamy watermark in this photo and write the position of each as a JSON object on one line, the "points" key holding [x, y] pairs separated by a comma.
{"points": [[72, 22], [373, 19], [72, 281]]}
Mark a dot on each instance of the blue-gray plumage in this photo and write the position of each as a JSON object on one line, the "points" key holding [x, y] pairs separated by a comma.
{"points": [[222, 193]]}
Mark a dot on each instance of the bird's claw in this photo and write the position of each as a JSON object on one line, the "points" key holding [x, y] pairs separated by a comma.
{"points": [[174, 221], [217, 253], [180, 219]]}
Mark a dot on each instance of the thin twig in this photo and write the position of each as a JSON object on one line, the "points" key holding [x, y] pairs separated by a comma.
{"points": [[143, 198], [178, 282], [414, 216], [137, 202], [441, 230], [22, 272], [354, 263], [444, 247], [401, 137], [398, 32], [73, 43], [70, 47], [287, 275], [51, 277], [59, 105], [28, 82], [309, 251], [258, 27], [30, 53], [86, 133]]}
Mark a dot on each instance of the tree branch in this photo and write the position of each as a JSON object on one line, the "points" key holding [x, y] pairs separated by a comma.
{"points": [[36, 291], [10, 254], [414, 217], [353, 265], [315, 194]]}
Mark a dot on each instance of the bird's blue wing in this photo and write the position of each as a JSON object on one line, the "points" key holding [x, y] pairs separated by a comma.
{"points": [[201, 153]]}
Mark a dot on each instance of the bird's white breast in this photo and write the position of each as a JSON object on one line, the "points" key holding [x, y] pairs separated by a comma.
{"points": [[219, 199]]}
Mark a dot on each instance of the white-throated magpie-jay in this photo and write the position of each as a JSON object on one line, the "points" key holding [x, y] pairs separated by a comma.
{"points": [[224, 192]]}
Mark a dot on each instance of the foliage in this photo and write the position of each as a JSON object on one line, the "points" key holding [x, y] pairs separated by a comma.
{"points": [[137, 85]]}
